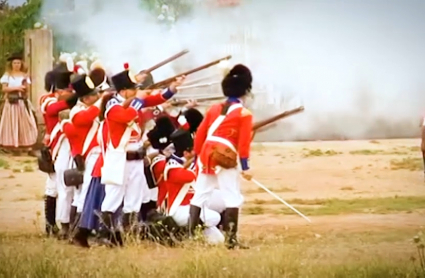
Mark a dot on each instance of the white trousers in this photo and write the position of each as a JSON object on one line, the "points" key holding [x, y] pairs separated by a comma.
{"points": [[65, 193], [153, 193], [216, 201], [210, 218], [51, 186], [228, 182], [84, 188], [133, 192]]}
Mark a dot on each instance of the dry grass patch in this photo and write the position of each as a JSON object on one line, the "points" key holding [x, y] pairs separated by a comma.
{"points": [[409, 163], [356, 255], [377, 152], [346, 188], [319, 152], [340, 206], [282, 189]]}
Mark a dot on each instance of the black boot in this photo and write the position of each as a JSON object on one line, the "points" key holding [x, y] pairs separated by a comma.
{"points": [[50, 215], [72, 216], [81, 237], [109, 234], [194, 215], [64, 231], [231, 228], [146, 209], [126, 222]]}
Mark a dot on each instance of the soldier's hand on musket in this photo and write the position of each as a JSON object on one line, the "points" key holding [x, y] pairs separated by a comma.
{"points": [[191, 103], [178, 82]]}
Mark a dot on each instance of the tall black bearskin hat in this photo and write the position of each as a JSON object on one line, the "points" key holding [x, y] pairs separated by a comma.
{"points": [[124, 80], [63, 72], [83, 85], [49, 81], [182, 140], [159, 136], [237, 82], [193, 118]]}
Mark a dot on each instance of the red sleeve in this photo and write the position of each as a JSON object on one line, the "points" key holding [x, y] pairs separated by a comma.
{"points": [[53, 109], [119, 114], [153, 100], [180, 176], [158, 169], [86, 117], [245, 130], [201, 133]]}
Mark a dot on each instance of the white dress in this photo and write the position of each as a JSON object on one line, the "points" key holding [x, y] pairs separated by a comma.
{"points": [[18, 127]]}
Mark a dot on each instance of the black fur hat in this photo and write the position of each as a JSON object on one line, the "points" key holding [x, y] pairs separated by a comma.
{"points": [[193, 118], [182, 140], [49, 81], [159, 136], [83, 85], [237, 82]]}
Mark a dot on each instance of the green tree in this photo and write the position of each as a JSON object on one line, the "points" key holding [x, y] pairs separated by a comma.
{"points": [[13, 23]]}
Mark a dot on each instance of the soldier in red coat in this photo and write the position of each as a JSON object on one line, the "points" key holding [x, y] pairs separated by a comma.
{"points": [[122, 172], [222, 146], [57, 99], [159, 138], [84, 117], [180, 181]]}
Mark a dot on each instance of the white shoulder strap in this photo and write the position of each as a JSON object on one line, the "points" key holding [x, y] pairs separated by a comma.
{"points": [[100, 138], [171, 164], [221, 118], [90, 136]]}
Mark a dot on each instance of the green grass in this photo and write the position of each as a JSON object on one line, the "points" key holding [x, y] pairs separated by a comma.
{"points": [[340, 206], [4, 163]]}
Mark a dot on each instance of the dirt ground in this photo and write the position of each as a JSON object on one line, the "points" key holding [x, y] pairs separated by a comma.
{"points": [[304, 170]]}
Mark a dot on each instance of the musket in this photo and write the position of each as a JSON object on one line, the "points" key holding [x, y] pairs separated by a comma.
{"points": [[168, 81], [179, 102], [277, 117], [166, 61]]}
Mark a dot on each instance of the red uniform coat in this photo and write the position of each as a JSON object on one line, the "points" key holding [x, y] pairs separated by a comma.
{"points": [[97, 173], [236, 128], [118, 117], [70, 133], [83, 119], [157, 170], [50, 108], [177, 177]]}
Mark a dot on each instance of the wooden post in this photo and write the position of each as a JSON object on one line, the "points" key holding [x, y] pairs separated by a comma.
{"points": [[39, 59]]}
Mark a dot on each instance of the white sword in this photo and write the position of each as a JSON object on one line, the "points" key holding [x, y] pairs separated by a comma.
{"points": [[280, 199]]}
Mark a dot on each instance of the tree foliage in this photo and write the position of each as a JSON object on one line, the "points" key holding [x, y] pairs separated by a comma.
{"points": [[13, 23]]}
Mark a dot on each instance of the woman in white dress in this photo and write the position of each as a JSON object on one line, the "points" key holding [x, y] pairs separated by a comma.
{"points": [[18, 128]]}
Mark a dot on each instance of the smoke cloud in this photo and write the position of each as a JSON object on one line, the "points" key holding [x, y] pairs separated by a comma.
{"points": [[357, 66]]}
